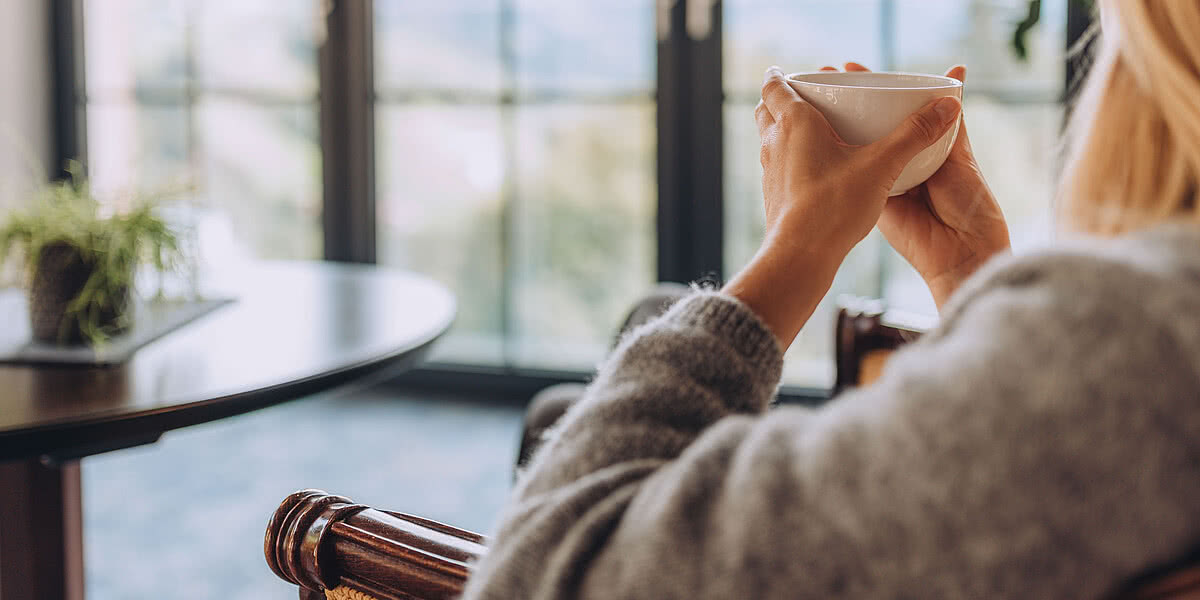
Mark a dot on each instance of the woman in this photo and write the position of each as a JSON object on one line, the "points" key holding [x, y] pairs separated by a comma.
{"points": [[1042, 442]]}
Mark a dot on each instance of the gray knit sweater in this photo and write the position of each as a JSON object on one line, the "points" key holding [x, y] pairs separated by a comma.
{"points": [[1042, 442]]}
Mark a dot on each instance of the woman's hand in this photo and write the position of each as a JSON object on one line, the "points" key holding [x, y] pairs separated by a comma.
{"points": [[821, 197], [950, 225]]}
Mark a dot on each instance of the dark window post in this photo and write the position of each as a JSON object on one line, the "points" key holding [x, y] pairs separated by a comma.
{"points": [[673, 120], [347, 80], [66, 52], [690, 145], [708, 141]]}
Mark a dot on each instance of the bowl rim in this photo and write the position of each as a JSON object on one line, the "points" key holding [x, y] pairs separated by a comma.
{"points": [[945, 82]]}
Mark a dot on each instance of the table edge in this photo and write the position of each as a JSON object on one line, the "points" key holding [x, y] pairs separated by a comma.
{"points": [[47, 439]]}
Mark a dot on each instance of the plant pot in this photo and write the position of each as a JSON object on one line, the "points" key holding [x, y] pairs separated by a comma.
{"points": [[58, 278]]}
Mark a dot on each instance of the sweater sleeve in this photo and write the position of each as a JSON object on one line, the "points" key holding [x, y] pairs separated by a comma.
{"points": [[1017, 451]]}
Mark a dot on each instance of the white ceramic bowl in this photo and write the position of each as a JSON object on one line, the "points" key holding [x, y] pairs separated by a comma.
{"points": [[863, 107]]}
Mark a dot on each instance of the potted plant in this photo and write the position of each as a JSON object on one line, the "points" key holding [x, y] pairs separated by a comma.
{"points": [[80, 259]]}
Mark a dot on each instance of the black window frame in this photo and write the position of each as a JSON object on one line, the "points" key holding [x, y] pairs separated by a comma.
{"points": [[689, 101]]}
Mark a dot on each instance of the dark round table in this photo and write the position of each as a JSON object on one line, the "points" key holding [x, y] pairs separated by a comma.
{"points": [[294, 329]]}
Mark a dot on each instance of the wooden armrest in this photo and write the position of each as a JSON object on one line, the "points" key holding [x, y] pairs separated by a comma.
{"points": [[865, 335], [324, 542], [1179, 580], [319, 542]]}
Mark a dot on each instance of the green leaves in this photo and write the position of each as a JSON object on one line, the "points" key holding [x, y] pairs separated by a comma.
{"points": [[1032, 17], [111, 244]]}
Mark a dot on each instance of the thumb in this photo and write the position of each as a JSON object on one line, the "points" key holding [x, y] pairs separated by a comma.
{"points": [[919, 131]]}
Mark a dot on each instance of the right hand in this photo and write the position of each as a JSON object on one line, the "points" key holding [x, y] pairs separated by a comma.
{"points": [[951, 224]]}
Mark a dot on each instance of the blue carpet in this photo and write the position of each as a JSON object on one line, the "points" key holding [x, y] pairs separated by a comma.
{"points": [[184, 518]]}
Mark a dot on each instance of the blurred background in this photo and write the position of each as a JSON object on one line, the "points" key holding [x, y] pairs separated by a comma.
{"points": [[547, 161], [515, 140]]}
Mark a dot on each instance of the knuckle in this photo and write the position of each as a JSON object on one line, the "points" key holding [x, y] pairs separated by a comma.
{"points": [[791, 114], [767, 151]]}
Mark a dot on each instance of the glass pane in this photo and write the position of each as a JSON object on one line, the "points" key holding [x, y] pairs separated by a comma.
{"points": [[135, 43], [261, 166], [744, 221], [447, 45], [439, 179], [135, 147], [583, 228], [798, 35], [599, 47], [258, 45], [932, 35], [1018, 149]]}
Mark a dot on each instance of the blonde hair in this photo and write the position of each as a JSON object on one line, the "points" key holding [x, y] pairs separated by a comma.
{"points": [[1136, 128]]}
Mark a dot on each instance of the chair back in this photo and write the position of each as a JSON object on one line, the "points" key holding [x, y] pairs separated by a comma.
{"points": [[865, 335]]}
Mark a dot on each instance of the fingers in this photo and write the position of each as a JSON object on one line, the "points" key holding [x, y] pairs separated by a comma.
{"points": [[850, 68], [918, 132], [777, 95], [958, 72], [762, 117]]}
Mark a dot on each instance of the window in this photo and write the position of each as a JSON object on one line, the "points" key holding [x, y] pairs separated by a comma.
{"points": [[218, 97], [1012, 111], [520, 146], [515, 151]]}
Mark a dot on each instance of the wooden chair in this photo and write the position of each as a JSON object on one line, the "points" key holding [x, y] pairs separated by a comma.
{"points": [[334, 548], [864, 336]]}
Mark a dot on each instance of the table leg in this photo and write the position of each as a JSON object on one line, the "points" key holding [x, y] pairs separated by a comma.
{"points": [[41, 531]]}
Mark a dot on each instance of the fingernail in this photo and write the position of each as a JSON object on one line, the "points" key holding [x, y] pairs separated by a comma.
{"points": [[946, 108]]}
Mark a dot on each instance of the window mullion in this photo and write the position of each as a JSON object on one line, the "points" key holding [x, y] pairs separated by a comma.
{"points": [[70, 125], [509, 194], [690, 146], [673, 119], [347, 115], [707, 148]]}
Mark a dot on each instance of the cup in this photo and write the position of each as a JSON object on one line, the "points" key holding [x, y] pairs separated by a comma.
{"points": [[865, 106]]}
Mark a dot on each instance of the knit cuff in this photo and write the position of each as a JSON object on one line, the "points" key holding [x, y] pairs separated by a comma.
{"points": [[728, 319]]}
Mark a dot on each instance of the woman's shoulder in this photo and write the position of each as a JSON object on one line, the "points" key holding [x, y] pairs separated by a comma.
{"points": [[1167, 256], [1148, 280]]}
